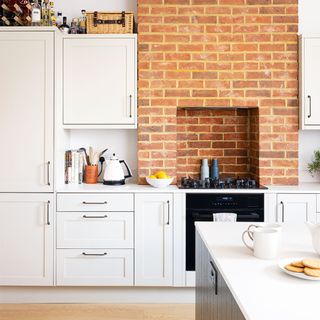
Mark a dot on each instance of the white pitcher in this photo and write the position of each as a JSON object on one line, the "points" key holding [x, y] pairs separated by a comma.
{"points": [[315, 235]]}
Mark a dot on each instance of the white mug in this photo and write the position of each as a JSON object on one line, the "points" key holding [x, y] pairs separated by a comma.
{"points": [[275, 226], [265, 242]]}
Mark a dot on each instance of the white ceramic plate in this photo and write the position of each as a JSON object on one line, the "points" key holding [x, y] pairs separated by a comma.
{"points": [[283, 262]]}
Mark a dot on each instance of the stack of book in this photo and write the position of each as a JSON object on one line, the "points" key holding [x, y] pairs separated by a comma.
{"points": [[75, 161]]}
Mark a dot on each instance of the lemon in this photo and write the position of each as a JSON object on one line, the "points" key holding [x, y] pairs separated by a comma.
{"points": [[168, 177], [161, 175], [153, 177]]}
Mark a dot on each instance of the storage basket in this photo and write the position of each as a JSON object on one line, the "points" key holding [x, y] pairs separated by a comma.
{"points": [[110, 22]]}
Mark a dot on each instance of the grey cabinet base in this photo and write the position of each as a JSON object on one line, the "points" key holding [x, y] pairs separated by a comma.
{"points": [[214, 301]]}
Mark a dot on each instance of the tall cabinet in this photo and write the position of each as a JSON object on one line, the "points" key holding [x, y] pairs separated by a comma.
{"points": [[26, 162]]}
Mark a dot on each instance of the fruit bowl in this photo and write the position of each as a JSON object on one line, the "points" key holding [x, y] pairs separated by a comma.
{"points": [[159, 183]]}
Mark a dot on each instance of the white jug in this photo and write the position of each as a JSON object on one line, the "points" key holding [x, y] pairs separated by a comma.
{"points": [[315, 235]]}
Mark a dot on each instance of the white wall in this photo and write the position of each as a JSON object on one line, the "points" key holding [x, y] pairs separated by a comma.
{"points": [[308, 140], [72, 8]]}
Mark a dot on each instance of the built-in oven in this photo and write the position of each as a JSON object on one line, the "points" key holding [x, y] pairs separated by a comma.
{"points": [[249, 207]]}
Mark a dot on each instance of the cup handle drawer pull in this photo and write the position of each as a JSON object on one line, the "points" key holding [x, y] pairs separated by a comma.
{"points": [[95, 217], [85, 202], [94, 254]]}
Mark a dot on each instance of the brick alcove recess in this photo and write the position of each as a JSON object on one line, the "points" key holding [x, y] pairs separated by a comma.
{"points": [[219, 53]]}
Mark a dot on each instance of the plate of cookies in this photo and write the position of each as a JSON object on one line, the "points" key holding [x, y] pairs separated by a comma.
{"points": [[303, 268]]}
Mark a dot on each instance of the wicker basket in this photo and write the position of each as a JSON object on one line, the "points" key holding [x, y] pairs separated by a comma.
{"points": [[110, 22]]}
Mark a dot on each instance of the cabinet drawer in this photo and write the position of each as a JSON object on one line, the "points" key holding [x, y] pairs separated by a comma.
{"points": [[95, 267], [95, 230], [95, 202]]}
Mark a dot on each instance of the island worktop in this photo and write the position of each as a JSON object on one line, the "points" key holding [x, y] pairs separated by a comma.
{"points": [[259, 288]]}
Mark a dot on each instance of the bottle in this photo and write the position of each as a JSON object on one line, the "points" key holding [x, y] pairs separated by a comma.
{"points": [[204, 169], [1, 14], [45, 13], [24, 13], [215, 169], [64, 27], [36, 14], [59, 19], [83, 22], [52, 15], [74, 26]]}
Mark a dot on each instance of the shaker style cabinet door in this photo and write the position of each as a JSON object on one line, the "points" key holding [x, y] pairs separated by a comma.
{"points": [[26, 239], [309, 80], [296, 208], [154, 240], [99, 82], [26, 111]]}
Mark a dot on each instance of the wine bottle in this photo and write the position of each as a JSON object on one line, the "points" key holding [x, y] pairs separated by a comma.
{"points": [[65, 27], [36, 14], [83, 22], [6, 21]]}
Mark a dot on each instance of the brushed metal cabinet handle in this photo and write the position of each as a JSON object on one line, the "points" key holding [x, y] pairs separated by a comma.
{"points": [[48, 173], [86, 202], [214, 277], [94, 254], [95, 217], [130, 99], [310, 106], [168, 220], [48, 213], [282, 210]]}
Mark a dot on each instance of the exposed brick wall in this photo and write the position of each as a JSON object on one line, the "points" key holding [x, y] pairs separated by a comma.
{"points": [[219, 53], [220, 134]]}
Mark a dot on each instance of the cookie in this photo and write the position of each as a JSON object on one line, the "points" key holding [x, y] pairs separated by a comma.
{"points": [[311, 263], [298, 264], [292, 268], [312, 272]]}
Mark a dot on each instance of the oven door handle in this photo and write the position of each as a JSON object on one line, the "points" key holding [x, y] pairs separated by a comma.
{"points": [[198, 216]]}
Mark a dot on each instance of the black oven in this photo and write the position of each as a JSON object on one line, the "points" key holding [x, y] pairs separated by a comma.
{"points": [[249, 207]]}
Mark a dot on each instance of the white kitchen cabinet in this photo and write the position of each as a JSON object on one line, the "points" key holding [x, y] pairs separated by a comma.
{"points": [[309, 79], [296, 208], [26, 113], [154, 239], [26, 239], [94, 267], [99, 81]]}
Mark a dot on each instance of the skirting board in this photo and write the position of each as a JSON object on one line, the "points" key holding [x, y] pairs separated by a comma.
{"points": [[96, 295]]}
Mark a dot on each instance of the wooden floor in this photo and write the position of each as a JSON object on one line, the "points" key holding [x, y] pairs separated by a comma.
{"points": [[97, 311]]}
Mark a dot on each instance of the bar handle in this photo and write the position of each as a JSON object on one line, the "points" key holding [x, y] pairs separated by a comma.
{"points": [[214, 277], [48, 213], [94, 254], [282, 210], [86, 202], [168, 213], [48, 173], [95, 217], [310, 106], [130, 99]]}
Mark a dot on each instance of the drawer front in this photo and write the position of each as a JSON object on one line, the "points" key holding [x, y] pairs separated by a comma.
{"points": [[95, 202], [95, 267], [95, 230]]}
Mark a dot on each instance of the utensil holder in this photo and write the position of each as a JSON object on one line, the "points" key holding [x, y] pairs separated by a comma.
{"points": [[91, 174]]}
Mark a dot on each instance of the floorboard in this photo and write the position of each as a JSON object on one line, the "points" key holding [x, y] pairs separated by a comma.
{"points": [[97, 312]]}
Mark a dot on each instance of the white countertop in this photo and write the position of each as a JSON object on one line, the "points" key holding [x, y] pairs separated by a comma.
{"points": [[131, 187], [260, 288]]}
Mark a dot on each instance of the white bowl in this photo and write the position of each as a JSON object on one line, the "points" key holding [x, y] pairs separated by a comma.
{"points": [[159, 183]]}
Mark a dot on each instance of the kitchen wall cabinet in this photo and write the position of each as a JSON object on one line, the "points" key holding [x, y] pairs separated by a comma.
{"points": [[27, 111], [309, 79], [214, 299], [99, 81], [26, 239], [154, 239], [296, 208]]}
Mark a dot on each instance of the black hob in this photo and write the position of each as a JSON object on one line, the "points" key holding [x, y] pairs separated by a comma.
{"points": [[228, 183]]}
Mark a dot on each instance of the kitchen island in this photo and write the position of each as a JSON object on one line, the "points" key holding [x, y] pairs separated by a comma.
{"points": [[233, 284]]}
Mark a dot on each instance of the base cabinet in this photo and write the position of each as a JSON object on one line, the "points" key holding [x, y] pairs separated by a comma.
{"points": [[296, 208], [26, 239], [214, 301], [154, 239]]}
